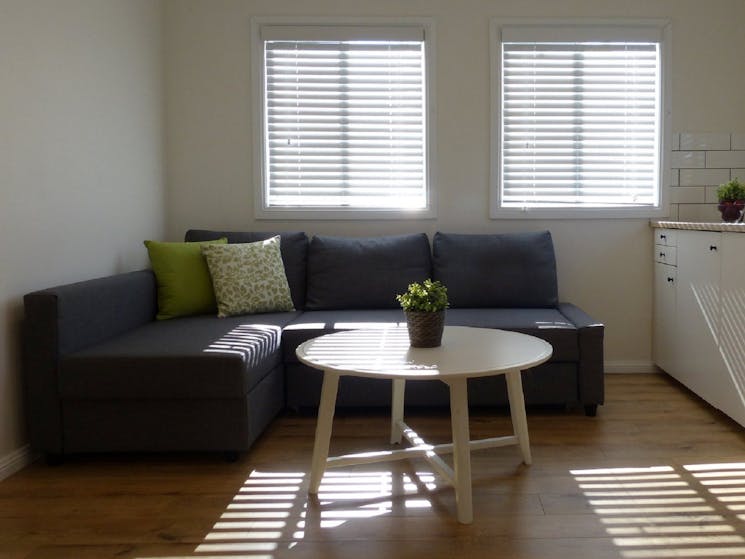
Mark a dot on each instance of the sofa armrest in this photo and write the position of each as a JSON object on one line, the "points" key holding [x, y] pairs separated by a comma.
{"points": [[578, 317], [67, 318], [591, 365]]}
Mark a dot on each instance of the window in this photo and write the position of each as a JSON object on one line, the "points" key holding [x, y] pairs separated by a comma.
{"points": [[579, 120], [343, 116]]}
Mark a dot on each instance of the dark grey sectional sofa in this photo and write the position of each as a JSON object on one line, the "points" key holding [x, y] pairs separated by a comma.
{"points": [[101, 374]]}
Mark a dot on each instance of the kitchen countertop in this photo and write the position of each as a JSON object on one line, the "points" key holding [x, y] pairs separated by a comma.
{"points": [[699, 226]]}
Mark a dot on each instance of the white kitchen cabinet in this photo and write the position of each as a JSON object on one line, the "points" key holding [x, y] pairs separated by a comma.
{"points": [[700, 314], [697, 299], [665, 279], [731, 394], [665, 284]]}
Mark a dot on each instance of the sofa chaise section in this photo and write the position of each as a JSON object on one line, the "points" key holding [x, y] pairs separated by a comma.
{"points": [[103, 375]]}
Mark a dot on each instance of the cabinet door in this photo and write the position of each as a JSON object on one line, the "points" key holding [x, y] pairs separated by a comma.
{"points": [[698, 311], [664, 336], [729, 391]]}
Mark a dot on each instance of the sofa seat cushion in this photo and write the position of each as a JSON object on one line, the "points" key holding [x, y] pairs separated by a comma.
{"points": [[547, 324], [312, 324], [192, 357]]}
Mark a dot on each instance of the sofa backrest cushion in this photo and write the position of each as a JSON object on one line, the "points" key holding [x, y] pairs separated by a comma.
{"points": [[499, 270], [293, 245], [364, 273]]}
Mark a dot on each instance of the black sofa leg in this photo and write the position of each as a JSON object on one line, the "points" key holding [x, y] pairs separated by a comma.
{"points": [[231, 455], [54, 458], [591, 410]]}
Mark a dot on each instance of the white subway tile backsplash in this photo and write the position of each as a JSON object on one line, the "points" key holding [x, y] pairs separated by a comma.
{"points": [[700, 162], [703, 177], [725, 159], [688, 159], [711, 195], [704, 140], [738, 140], [699, 212], [688, 195]]}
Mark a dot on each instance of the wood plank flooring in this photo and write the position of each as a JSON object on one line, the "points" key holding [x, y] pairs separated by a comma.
{"points": [[656, 474]]}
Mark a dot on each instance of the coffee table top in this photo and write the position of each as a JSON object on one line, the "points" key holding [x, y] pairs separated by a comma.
{"points": [[465, 351]]}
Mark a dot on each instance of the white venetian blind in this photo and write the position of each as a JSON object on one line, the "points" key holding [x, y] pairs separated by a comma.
{"points": [[345, 123], [580, 124]]}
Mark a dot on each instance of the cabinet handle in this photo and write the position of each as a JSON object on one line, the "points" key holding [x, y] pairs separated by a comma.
{"points": [[670, 280], [713, 247], [663, 237], [662, 255]]}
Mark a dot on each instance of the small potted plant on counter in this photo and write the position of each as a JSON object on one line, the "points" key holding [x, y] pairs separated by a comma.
{"points": [[731, 200], [424, 305]]}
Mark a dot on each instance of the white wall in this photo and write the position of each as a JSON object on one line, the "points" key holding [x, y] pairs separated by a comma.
{"points": [[81, 158], [604, 266]]}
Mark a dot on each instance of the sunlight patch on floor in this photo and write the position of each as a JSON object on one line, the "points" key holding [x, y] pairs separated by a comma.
{"points": [[271, 512], [669, 511]]}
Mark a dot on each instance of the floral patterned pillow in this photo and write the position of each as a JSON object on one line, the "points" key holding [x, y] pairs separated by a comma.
{"points": [[248, 278]]}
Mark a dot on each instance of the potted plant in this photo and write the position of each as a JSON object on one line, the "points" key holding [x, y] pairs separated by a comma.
{"points": [[424, 305], [731, 200]]}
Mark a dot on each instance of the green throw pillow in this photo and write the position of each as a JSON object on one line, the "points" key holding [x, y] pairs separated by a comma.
{"points": [[248, 277], [184, 285]]}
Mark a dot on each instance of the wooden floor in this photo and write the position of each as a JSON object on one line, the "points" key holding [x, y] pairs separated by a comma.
{"points": [[656, 474]]}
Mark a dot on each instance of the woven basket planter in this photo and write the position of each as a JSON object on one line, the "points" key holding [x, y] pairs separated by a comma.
{"points": [[425, 328]]}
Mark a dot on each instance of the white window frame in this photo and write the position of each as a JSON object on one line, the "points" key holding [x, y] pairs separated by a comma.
{"points": [[663, 30], [261, 209]]}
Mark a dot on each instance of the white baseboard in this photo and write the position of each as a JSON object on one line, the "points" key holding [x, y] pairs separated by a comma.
{"points": [[630, 367], [15, 461]]}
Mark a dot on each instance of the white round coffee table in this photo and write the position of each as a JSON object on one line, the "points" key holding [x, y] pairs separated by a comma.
{"points": [[385, 353]]}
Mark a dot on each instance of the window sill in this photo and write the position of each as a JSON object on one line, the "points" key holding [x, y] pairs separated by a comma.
{"points": [[325, 214], [578, 213]]}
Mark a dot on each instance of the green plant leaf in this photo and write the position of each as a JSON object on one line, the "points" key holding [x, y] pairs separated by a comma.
{"points": [[731, 191], [428, 296]]}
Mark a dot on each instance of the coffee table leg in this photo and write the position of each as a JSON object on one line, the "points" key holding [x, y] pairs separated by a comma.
{"points": [[517, 411], [461, 449], [397, 409], [323, 430]]}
